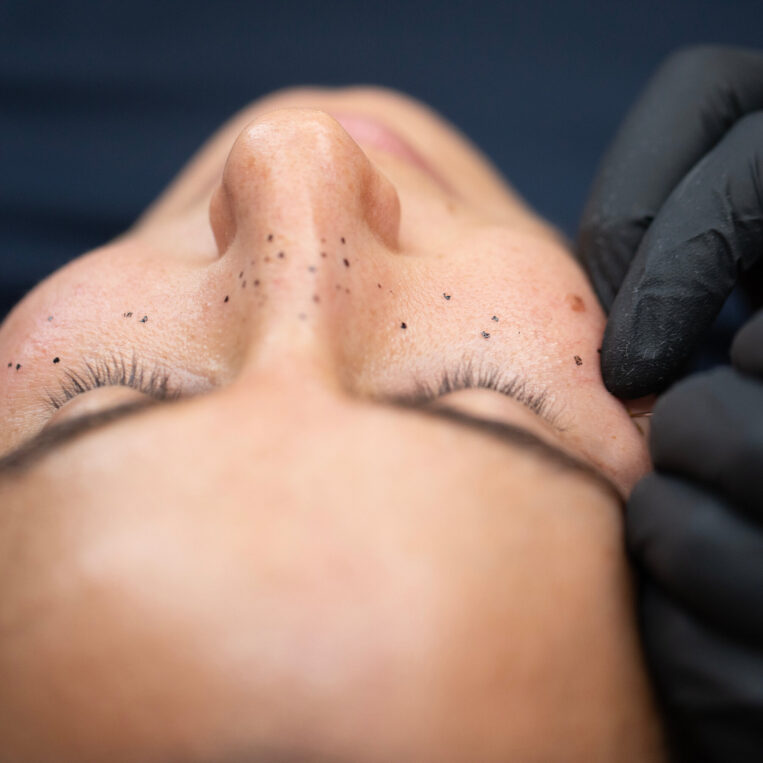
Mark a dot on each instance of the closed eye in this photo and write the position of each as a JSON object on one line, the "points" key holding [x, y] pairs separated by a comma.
{"points": [[465, 375], [111, 371]]}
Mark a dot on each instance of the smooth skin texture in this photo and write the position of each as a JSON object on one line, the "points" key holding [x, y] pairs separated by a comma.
{"points": [[282, 562]]}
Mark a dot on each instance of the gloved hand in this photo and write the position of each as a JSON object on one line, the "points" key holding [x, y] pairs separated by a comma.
{"points": [[695, 529], [676, 213]]}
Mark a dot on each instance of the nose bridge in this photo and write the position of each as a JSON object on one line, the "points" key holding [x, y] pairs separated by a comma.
{"points": [[298, 171]]}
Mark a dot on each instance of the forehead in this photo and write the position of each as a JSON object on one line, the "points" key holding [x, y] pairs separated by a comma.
{"points": [[297, 560]]}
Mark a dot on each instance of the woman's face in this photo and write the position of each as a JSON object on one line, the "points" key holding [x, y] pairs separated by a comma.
{"points": [[295, 535]]}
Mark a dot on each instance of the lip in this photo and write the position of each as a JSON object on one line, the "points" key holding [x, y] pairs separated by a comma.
{"points": [[370, 132]]}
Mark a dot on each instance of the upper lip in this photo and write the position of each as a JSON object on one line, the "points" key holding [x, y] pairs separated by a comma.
{"points": [[370, 131]]}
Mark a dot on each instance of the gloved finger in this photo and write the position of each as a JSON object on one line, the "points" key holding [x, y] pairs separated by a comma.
{"points": [[711, 687], [709, 429], [705, 555], [708, 231], [747, 347], [692, 100]]}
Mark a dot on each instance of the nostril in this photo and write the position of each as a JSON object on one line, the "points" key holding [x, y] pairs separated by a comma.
{"points": [[221, 219]]}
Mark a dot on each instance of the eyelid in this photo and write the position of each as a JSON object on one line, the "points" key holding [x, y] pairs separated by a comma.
{"points": [[111, 371], [465, 375]]}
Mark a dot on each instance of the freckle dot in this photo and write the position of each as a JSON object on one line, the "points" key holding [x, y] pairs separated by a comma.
{"points": [[302, 316], [323, 254], [56, 360], [316, 298], [485, 335], [270, 236], [342, 240], [323, 241], [243, 284], [346, 291], [226, 299], [256, 281], [599, 350], [403, 325], [267, 259], [578, 360], [241, 274], [346, 262], [9, 365], [378, 286], [281, 255]]}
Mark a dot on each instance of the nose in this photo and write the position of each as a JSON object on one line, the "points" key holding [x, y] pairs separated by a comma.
{"points": [[298, 170], [300, 208]]}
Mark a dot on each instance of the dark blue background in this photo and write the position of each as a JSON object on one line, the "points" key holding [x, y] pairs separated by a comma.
{"points": [[102, 102]]}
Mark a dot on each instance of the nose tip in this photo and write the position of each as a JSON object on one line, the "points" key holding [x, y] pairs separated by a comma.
{"points": [[299, 170]]}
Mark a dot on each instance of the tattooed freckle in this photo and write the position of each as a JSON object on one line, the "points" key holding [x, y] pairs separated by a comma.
{"points": [[485, 335], [56, 360], [226, 299], [447, 296], [403, 325], [495, 318], [18, 366], [9, 365], [50, 317], [346, 262], [144, 319], [270, 236], [127, 315], [578, 360], [312, 268]]}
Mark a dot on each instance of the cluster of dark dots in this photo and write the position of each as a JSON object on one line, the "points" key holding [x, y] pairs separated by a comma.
{"points": [[18, 366], [144, 319], [495, 318], [485, 335], [56, 360], [127, 315], [578, 360], [447, 296]]}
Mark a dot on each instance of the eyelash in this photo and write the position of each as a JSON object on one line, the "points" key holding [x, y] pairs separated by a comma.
{"points": [[112, 371], [466, 376]]}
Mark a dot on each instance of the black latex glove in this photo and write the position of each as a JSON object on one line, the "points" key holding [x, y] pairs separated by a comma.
{"points": [[695, 530], [676, 213]]}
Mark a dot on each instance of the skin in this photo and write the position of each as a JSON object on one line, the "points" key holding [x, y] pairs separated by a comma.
{"points": [[279, 562]]}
